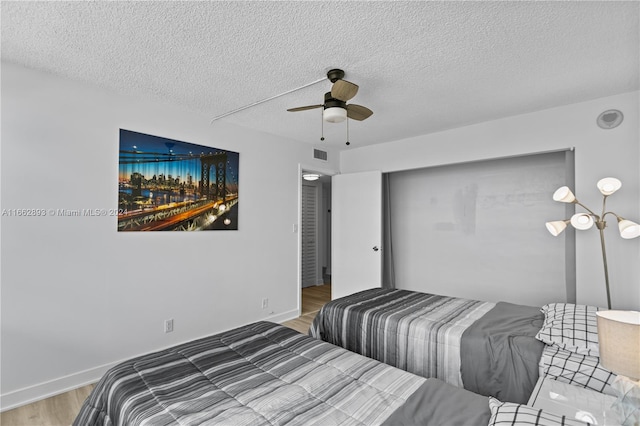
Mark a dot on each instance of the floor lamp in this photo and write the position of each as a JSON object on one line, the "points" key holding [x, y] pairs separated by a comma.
{"points": [[582, 221]]}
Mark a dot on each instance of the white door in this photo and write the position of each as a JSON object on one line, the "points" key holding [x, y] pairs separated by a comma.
{"points": [[356, 233]]}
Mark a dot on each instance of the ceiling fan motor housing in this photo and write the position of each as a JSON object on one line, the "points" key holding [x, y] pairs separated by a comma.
{"points": [[330, 102], [335, 110]]}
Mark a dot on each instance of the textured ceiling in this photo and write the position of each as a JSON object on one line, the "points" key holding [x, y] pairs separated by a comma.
{"points": [[422, 67]]}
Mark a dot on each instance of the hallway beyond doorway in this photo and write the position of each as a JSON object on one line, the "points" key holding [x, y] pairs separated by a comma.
{"points": [[313, 298]]}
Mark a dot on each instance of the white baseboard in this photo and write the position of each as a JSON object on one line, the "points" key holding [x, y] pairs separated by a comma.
{"points": [[51, 388], [286, 316], [73, 381]]}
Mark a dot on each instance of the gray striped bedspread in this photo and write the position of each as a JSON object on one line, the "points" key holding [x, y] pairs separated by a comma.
{"points": [[267, 374], [488, 348], [417, 332]]}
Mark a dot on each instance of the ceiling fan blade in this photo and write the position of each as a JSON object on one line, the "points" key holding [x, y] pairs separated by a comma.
{"points": [[343, 90], [304, 108], [358, 112]]}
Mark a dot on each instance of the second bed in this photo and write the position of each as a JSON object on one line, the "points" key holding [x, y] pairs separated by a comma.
{"points": [[487, 348]]}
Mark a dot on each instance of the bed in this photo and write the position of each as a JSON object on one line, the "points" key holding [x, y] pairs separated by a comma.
{"points": [[266, 374], [493, 349]]}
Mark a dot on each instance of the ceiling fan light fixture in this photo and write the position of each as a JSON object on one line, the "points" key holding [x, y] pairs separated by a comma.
{"points": [[334, 114]]}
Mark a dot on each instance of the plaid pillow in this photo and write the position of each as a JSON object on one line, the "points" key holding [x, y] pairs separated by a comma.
{"points": [[580, 370], [509, 413], [571, 327]]}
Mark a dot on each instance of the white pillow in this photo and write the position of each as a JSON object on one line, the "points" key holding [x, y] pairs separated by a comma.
{"points": [[571, 327], [509, 413]]}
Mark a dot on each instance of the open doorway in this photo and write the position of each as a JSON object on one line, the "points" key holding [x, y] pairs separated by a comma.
{"points": [[315, 242]]}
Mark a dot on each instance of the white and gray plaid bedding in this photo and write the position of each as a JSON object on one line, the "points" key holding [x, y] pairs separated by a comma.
{"points": [[571, 354], [259, 374], [509, 414], [577, 369], [416, 332], [571, 327]]}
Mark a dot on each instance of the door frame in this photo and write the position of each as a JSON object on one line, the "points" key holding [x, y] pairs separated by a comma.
{"points": [[297, 226]]}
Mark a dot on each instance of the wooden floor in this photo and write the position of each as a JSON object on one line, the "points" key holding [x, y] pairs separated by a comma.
{"points": [[60, 410], [312, 300]]}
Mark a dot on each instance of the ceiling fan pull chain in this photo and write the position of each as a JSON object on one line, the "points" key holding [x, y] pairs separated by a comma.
{"points": [[348, 143], [321, 125]]}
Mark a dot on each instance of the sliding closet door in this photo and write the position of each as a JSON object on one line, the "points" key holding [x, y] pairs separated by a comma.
{"points": [[477, 230], [356, 233]]}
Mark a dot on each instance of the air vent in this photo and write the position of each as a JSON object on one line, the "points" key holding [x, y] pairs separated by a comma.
{"points": [[318, 154]]}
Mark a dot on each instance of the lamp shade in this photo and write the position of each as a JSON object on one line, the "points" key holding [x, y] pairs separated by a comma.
{"points": [[334, 114], [628, 229], [619, 342], [582, 221], [609, 185], [556, 227], [564, 195]]}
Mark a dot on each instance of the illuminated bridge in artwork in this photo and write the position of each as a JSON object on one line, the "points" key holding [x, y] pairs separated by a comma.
{"points": [[212, 199], [183, 216]]}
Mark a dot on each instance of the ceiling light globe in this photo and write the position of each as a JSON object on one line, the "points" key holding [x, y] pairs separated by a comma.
{"points": [[564, 195], [582, 221], [609, 185], [334, 115], [310, 176]]}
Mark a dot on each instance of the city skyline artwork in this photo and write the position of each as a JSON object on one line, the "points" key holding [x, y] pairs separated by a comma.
{"points": [[170, 185]]}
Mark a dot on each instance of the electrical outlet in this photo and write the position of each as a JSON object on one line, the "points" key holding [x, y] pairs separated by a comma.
{"points": [[265, 303], [168, 325]]}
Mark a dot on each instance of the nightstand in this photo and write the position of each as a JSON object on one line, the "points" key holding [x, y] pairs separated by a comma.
{"points": [[573, 402]]}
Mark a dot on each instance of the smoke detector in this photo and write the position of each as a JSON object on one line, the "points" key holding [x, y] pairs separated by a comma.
{"points": [[609, 119]]}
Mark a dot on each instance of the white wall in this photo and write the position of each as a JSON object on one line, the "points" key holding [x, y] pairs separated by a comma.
{"points": [[77, 295], [598, 153]]}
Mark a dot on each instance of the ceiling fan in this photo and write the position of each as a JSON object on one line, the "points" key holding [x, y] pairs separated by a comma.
{"points": [[335, 104]]}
